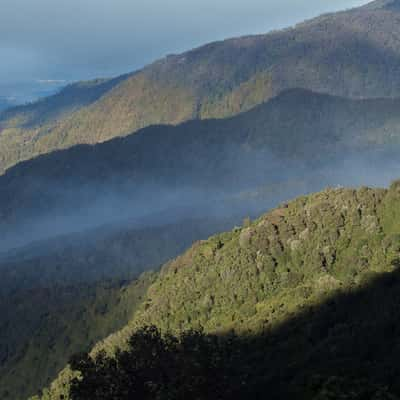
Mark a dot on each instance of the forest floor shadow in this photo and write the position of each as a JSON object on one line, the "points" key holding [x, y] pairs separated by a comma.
{"points": [[348, 347]]}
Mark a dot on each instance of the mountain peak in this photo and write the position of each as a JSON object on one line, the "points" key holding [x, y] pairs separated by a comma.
{"points": [[384, 4]]}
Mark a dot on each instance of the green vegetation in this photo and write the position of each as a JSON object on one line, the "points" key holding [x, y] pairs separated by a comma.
{"points": [[311, 289], [163, 367], [198, 366], [42, 327], [351, 54], [306, 296], [63, 297]]}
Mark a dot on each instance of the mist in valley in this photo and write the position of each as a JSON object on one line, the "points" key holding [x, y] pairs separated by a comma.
{"points": [[243, 185]]}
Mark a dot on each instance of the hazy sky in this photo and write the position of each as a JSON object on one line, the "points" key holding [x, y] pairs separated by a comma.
{"points": [[79, 39]]}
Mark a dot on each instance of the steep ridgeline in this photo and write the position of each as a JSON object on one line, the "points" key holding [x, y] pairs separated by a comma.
{"points": [[355, 53], [297, 138], [312, 287]]}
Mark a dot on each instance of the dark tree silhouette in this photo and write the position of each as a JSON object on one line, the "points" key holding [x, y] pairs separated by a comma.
{"points": [[346, 348], [156, 366]]}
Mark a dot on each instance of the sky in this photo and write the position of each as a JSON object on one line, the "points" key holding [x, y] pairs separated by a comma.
{"points": [[44, 40]]}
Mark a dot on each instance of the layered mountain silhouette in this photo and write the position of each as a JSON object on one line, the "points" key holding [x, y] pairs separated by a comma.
{"points": [[297, 142], [112, 177], [352, 54]]}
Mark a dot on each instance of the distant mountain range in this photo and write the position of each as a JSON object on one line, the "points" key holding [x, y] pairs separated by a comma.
{"points": [[202, 166], [7, 102], [354, 54], [4, 104], [111, 177], [13, 94]]}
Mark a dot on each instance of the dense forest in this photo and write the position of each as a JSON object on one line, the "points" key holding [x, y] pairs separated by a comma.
{"points": [[308, 293], [61, 297]]}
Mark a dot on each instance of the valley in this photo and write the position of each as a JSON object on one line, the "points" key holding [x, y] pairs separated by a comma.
{"points": [[238, 201]]}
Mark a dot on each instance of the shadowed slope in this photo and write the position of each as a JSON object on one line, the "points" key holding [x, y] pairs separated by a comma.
{"points": [[345, 347], [293, 137], [43, 326]]}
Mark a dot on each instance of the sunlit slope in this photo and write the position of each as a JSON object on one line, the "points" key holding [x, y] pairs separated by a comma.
{"points": [[257, 278], [353, 54]]}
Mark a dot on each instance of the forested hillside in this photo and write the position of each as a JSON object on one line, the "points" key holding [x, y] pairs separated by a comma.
{"points": [[355, 54], [310, 288], [59, 297], [42, 327], [110, 179]]}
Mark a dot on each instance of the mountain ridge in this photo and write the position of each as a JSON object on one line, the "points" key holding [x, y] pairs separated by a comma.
{"points": [[114, 176], [326, 54], [293, 136], [254, 278]]}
